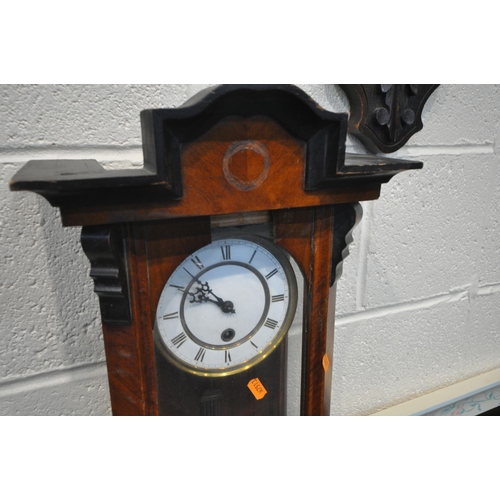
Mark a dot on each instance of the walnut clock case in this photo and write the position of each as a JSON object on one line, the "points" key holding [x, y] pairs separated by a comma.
{"points": [[246, 190]]}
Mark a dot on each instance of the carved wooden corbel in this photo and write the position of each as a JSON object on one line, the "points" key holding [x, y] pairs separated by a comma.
{"points": [[105, 248]]}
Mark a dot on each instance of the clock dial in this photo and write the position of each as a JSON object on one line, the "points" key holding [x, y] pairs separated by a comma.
{"points": [[226, 307]]}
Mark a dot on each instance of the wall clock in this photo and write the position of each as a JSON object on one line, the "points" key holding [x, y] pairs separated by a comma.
{"points": [[246, 190]]}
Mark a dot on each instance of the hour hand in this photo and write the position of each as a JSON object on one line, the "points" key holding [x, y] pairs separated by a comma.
{"points": [[202, 295]]}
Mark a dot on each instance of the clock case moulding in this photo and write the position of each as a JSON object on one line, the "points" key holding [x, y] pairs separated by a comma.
{"points": [[231, 149]]}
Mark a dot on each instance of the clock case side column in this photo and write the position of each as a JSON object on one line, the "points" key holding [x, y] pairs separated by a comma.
{"points": [[318, 239], [117, 253]]}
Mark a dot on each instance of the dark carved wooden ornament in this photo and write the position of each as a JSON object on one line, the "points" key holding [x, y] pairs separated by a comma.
{"points": [[384, 117], [104, 247], [237, 153]]}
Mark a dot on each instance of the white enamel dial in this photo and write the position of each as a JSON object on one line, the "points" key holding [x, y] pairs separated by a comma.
{"points": [[226, 307]]}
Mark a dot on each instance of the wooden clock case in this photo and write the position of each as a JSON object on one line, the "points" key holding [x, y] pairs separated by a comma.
{"points": [[233, 152]]}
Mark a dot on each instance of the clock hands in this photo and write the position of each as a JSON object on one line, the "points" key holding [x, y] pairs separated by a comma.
{"points": [[202, 295]]}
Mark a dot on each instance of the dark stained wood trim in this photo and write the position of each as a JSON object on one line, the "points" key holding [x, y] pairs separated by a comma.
{"points": [[85, 202], [105, 248]]}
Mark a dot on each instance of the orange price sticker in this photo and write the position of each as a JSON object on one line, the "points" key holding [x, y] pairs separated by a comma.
{"points": [[326, 362], [257, 389]]}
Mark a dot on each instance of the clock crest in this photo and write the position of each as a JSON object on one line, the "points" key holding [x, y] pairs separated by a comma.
{"points": [[384, 117]]}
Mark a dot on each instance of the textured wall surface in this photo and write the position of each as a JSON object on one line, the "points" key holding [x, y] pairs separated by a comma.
{"points": [[418, 305]]}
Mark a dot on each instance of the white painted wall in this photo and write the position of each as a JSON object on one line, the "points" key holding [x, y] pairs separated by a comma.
{"points": [[418, 304]]}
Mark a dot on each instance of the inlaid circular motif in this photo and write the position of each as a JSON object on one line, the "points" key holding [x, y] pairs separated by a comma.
{"points": [[246, 164]]}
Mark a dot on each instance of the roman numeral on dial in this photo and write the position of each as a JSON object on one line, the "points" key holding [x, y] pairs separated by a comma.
{"points": [[227, 355], [201, 355], [253, 255], [278, 298], [174, 315], [226, 252], [188, 272], [271, 274], [270, 323], [179, 340], [197, 262]]}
